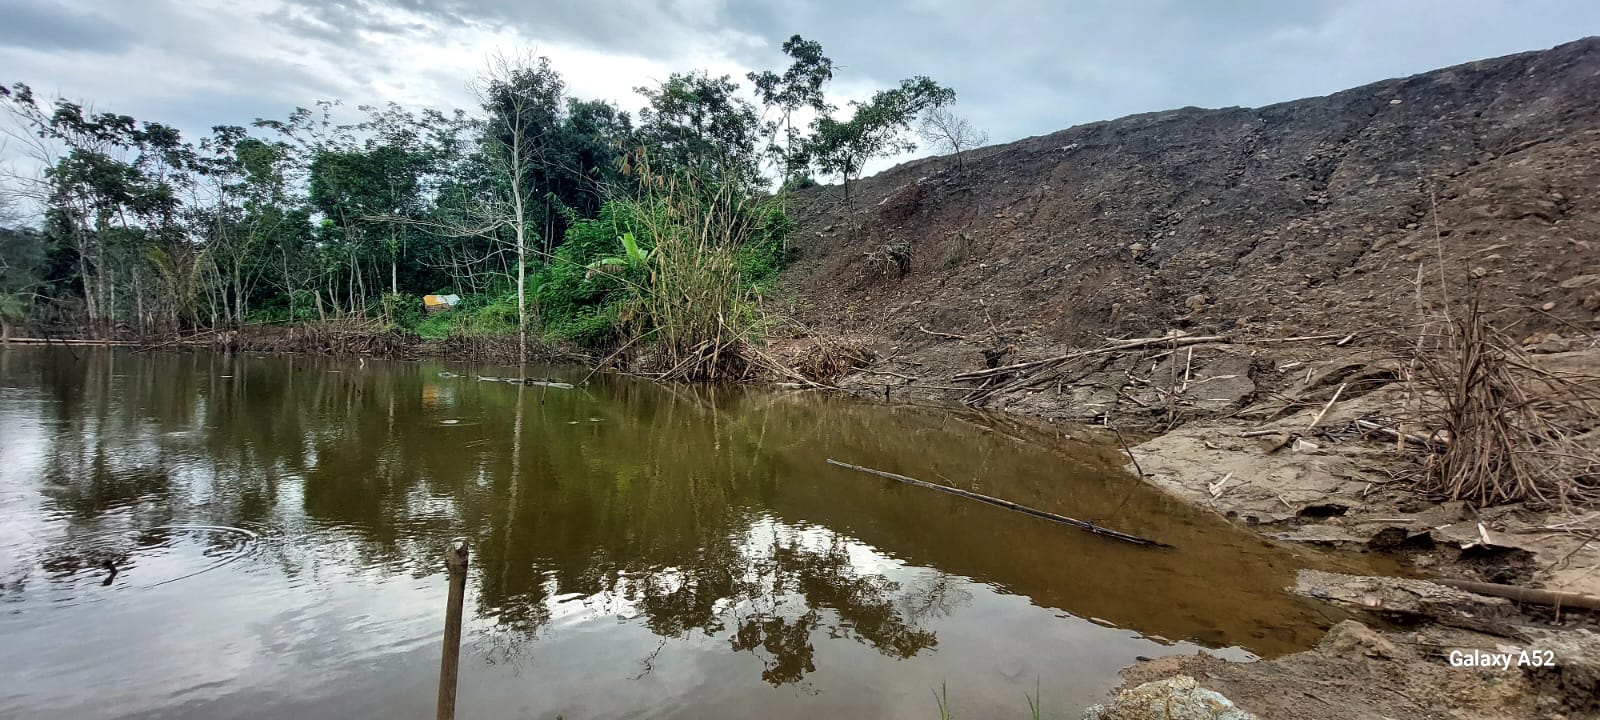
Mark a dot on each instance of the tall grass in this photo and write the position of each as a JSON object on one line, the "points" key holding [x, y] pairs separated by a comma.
{"points": [[692, 305]]}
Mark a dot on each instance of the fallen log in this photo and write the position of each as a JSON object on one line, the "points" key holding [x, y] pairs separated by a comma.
{"points": [[1114, 346], [70, 341], [1553, 598], [1007, 504]]}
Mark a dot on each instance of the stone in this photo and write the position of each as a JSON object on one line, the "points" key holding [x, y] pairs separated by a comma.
{"points": [[1350, 638], [1179, 697]]}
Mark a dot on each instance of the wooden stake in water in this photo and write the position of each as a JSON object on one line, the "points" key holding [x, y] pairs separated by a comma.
{"points": [[455, 559]]}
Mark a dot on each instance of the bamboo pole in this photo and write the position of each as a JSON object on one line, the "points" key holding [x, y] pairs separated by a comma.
{"points": [[1007, 504], [1555, 598], [455, 559]]}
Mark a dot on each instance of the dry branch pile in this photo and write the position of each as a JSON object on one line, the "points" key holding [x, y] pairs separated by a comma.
{"points": [[1514, 431], [1034, 373]]}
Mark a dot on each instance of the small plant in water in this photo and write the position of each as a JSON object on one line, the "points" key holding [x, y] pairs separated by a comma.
{"points": [[943, 698], [1035, 701]]}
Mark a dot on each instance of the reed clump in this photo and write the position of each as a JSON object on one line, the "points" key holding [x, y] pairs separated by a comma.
{"points": [[692, 303], [1508, 427]]}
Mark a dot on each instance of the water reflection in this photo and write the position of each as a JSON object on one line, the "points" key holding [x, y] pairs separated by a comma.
{"points": [[698, 514]]}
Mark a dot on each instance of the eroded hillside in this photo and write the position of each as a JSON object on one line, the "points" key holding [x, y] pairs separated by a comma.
{"points": [[1305, 217]]}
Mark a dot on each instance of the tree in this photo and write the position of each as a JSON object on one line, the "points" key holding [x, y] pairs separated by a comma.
{"points": [[951, 133], [800, 86], [22, 260], [698, 124], [523, 97], [877, 128]]}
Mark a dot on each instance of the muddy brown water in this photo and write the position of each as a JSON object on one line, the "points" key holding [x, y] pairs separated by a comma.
{"points": [[638, 550]]}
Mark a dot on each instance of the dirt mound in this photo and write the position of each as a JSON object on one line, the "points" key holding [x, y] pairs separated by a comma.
{"points": [[1306, 217]]}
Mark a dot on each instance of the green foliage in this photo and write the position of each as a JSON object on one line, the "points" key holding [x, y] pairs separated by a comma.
{"points": [[697, 125], [436, 326], [800, 86], [660, 232], [766, 252], [579, 294], [877, 128], [403, 310], [800, 182]]}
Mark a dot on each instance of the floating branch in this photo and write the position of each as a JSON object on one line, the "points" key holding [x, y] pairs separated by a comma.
{"points": [[1007, 504]]}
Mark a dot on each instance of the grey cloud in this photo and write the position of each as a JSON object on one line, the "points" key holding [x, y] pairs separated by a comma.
{"points": [[1025, 68], [642, 27], [51, 26], [1020, 67]]}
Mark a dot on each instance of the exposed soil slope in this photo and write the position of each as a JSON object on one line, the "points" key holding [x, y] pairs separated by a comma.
{"points": [[1297, 218]]}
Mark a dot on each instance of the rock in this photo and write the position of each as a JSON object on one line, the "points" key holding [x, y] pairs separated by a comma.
{"points": [[1572, 684], [1408, 600], [1196, 303], [1556, 344], [1176, 698], [1351, 637], [1579, 281]]}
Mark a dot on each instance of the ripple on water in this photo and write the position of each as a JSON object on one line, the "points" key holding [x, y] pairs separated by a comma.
{"points": [[78, 568]]}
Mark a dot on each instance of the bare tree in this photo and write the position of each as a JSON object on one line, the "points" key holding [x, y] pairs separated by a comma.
{"points": [[523, 96], [951, 133]]}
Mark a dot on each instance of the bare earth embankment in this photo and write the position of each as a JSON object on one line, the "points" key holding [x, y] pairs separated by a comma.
{"points": [[1259, 292]]}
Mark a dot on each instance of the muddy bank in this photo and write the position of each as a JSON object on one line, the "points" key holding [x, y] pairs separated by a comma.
{"points": [[1236, 290], [1357, 673]]}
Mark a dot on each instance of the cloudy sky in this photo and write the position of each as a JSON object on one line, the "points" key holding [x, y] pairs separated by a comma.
{"points": [[1019, 67]]}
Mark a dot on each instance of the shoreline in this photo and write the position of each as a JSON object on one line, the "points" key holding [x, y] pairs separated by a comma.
{"points": [[1327, 491]]}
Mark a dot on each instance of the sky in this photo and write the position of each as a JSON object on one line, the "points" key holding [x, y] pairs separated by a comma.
{"points": [[1019, 67]]}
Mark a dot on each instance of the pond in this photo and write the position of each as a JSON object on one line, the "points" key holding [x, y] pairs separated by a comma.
{"points": [[277, 525]]}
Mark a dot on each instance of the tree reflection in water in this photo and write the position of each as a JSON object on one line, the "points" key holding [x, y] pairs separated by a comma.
{"points": [[692, 513]]}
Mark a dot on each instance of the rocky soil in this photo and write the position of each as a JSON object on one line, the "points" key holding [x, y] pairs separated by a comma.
{"points": [[1238, 291]]}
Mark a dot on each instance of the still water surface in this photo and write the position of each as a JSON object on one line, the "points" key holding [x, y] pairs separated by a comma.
{"points": [[638, 550]]}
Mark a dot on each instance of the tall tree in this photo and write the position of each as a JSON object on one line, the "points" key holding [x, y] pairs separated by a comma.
{"points": [[523, 96], [800, 86], [699, 124]]}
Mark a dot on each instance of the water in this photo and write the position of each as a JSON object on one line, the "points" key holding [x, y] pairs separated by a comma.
{"points": [[278, 525]]}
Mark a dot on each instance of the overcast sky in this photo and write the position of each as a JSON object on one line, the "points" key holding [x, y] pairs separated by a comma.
{"points": [[1019, 67]]}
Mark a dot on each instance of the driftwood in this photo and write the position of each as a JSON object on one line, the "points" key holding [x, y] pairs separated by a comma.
{"points": [[1300, 338], [66, 341], [1554, 598], [1371, 426], [526, 381], [1007, 504], [1325, 408], [1114, 346]]}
